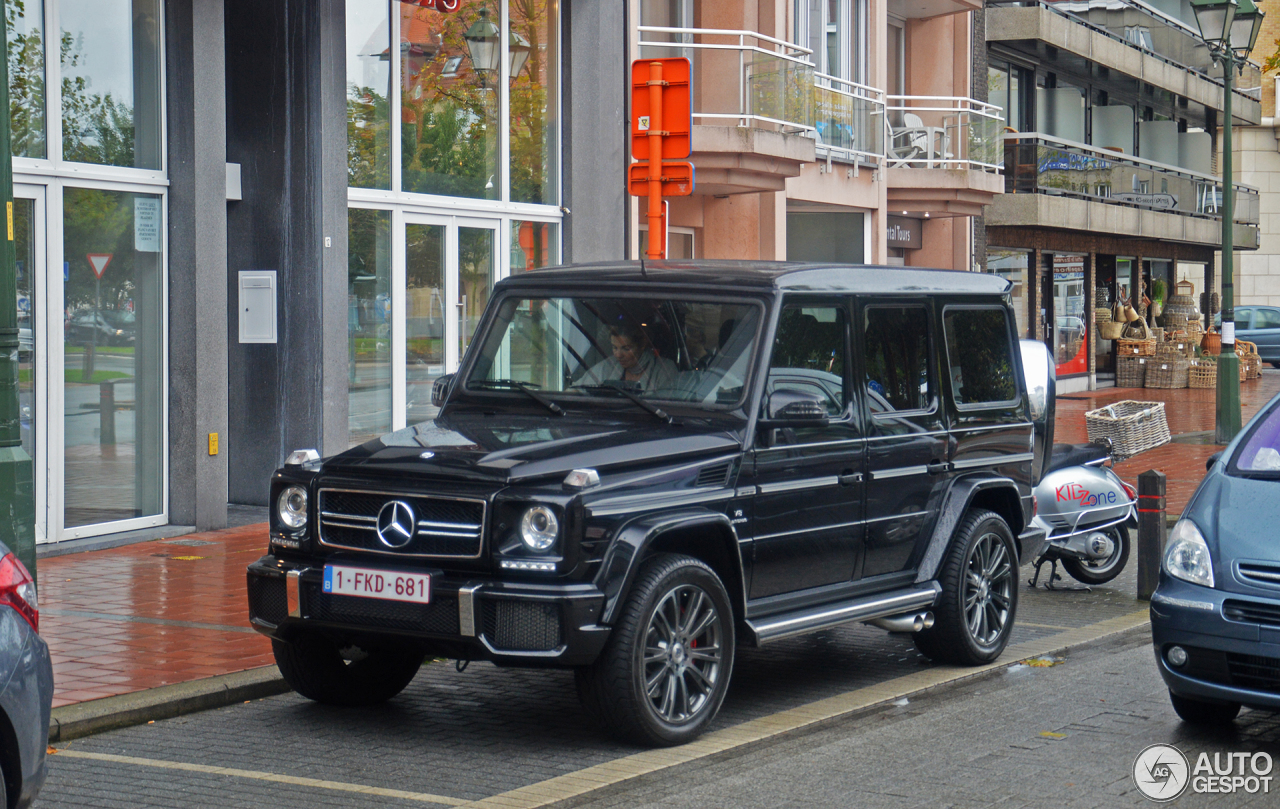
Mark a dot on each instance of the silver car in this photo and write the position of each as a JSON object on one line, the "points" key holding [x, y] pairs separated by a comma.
{"points": [[27, 697]]}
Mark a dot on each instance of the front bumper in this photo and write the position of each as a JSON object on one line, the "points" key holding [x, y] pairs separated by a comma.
{"points": [[469, 618], [1228, 660]]}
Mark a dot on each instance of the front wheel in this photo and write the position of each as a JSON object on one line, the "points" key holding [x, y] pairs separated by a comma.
{"points": [[320, 670], [664, 672], [975, 612], [1101, 571]]}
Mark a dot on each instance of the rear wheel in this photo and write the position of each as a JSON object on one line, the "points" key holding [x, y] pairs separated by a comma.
{"points": [[318, 669], [975, 612], [1199, 712], [1101, 571], [665, 669]]}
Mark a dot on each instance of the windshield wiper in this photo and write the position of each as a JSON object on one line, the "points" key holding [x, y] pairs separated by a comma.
{"points": [[523, 387], [647, 406]]}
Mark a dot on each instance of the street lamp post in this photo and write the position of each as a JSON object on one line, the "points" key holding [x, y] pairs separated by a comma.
{"points": [[1230, 29], [17, 478]]}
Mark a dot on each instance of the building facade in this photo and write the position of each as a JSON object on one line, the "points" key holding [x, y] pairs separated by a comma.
{"points": [[1112, 116], [251, 226], [1257, 150]]}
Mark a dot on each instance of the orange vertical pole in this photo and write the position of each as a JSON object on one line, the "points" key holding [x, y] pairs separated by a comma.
{"points": [[657, 232]]}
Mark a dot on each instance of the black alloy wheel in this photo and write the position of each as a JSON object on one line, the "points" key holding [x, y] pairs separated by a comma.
{"points": [[1101, 571], [975, 612], [665, 669]]}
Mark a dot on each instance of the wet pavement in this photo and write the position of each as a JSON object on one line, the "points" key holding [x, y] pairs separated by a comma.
{"points": [[126, 619]]}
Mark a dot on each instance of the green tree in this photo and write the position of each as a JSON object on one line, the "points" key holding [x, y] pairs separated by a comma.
{"points": [[26, 82]]}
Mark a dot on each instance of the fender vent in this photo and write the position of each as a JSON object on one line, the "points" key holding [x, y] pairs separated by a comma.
{"points": [[715, 475]]}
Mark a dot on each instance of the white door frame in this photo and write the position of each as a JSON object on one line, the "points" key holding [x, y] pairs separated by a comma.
{"points": [[41, 334]]}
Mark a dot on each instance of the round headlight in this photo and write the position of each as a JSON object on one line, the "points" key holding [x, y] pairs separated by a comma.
{"points": [[539, 528], [291, 506]]}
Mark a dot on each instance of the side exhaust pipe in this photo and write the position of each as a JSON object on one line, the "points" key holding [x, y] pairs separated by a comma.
{"points": [[911, 622]]}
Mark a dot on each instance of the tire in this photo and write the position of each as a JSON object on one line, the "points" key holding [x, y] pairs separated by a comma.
{"points": [[316, 668], [1205, 714], [676, 605], [1104, 570], [974, 615]]}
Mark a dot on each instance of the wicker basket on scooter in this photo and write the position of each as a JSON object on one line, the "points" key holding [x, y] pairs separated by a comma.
{"points": [[1131, 372], [1132, 427], [1167, 372], [1202, 374]]}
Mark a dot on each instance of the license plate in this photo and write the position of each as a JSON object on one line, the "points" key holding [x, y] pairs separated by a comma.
{"points": [[385, 584]]}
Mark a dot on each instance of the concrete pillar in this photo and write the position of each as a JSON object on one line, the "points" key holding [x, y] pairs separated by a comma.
{"points": [[731, 227], [596, 152], [197, 394]]}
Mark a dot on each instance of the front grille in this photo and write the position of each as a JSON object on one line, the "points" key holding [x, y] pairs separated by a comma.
{"points": [[443, 526], [522, 626], [1254, 671], [1251, 612], [267, 599], [440, 617], [1260, 575]]}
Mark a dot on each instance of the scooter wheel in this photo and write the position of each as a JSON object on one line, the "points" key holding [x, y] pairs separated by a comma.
{"points": [[1101, 571]]}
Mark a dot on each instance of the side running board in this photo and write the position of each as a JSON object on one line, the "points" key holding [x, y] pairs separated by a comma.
{"points": [[810, 619]]}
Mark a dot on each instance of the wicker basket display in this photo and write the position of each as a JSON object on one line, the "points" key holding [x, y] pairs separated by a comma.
{"points": [[1167, 373], [1131, 372], [1172, 349], [1202, 374], [1131, 426], [1101, 315], [1136, 348], [1110, 330]]}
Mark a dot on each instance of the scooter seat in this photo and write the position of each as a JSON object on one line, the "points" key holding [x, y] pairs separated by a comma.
{"points": [[1065, 455]]}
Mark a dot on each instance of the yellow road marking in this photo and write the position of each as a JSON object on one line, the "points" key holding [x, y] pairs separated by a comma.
{"points": [[421, 797], [573, 785]]}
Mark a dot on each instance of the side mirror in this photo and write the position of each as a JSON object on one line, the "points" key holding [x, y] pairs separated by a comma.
{"points": [[440, 390], [1211, 460], [1039, 372], [794, 408]]}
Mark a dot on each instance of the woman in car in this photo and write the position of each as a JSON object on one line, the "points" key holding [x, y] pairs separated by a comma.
{"points": [[634, 361]]}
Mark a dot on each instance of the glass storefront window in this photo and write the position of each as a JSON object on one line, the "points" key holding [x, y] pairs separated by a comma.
{"points": [[111, 105], [368, 324], [1012, 266], [113, 391], [368, 94], [534, 245], [449, 105], [534, 83], [425, 315], [25, 249], [25, 30], [1070, 332]]}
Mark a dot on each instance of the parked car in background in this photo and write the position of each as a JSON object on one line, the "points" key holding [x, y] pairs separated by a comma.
{"points": [[1215, 616], [1261, 325], [26, 340], [26, 698], [102, 327]]}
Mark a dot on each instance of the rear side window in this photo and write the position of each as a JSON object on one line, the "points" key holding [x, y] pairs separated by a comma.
{"points": [[979, 355], [897, 343], [1266, 319]]}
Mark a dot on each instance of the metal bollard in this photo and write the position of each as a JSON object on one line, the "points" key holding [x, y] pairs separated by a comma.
{"points": [[1151, 531], [107, 413]]}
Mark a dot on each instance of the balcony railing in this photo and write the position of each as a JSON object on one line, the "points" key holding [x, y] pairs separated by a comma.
{"points": [[1040, 164], [944, 132], [1142, 26], [747, 79]]}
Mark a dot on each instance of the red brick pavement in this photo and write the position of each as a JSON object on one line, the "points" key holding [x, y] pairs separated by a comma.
{"points": [[140, 616], [168, 611], [1187, 410]]}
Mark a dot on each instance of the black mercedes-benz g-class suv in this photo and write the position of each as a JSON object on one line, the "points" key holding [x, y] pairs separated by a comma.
{"points": [[637, 468]]}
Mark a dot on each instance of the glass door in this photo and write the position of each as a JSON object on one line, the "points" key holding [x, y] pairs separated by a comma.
{"points": [[33, 353], [450, 265]]}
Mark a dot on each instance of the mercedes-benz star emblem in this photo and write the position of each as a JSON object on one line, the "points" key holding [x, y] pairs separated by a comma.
{"points": [[396, 524]]}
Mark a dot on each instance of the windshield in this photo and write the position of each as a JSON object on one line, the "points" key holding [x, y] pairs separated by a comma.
{"points": [[1260, 454], [683, 351]]}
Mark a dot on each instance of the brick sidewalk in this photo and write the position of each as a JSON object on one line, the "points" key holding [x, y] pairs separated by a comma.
{"points": [[174, 610]]}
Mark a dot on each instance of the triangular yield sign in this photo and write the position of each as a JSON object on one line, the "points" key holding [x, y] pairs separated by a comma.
{"points": [[99, 262]]}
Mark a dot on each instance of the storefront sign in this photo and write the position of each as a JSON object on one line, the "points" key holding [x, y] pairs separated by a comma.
{"points": [[1158, 201], [146, 224], [904, 232]]}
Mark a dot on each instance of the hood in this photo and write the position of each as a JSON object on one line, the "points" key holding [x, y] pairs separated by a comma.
{"points": [[1235, 514], [511, 448]]}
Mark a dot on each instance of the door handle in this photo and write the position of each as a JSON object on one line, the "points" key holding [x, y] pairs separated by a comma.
{"points": [[938, 467], [848, 478]]}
